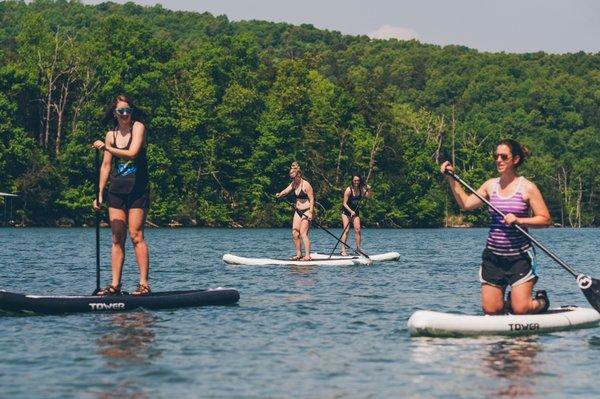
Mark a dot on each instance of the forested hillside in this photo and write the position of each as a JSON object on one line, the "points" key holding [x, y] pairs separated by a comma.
{"points": [[231, 104]]}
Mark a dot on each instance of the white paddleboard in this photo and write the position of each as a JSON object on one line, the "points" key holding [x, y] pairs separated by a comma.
{"points": [[240, 260], [429, 323], [388, 256]]}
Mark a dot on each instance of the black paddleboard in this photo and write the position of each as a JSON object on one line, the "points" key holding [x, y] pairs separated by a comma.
{"points": [[60, 304]]}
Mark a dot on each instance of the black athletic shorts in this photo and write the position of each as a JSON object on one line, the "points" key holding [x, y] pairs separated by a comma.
{"points": [[502, 271], [347, 213], [140, 199]]}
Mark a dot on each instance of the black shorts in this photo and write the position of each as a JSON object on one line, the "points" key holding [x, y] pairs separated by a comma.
{"points": [[502, 271], [345, 212], [140, 199]]}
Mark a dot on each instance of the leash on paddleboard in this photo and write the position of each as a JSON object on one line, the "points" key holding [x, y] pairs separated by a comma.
{"points": [[588, 285], [301, 213], [346, 228], [97, 188]]}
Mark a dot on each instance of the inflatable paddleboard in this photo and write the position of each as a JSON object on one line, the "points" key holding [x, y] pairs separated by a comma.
{"points": [[240, 260], [386, 257], [39, 304], [429, 323]]}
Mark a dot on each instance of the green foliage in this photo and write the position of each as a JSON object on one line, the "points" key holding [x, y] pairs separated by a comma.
{"points": [[231, 104]]}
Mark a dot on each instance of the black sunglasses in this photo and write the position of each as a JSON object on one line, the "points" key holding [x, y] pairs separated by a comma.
{"points": [[504, 157], [124, 111]]}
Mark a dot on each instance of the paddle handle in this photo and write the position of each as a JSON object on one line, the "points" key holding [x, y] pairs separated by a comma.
{"points": [[97, 214], [522, 230]]}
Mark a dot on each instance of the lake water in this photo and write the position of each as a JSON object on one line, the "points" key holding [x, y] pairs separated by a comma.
{"points": [[307, 332]]}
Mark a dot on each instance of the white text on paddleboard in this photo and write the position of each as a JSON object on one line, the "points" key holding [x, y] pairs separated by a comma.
{"points": [[107, 306], [523, 327]]}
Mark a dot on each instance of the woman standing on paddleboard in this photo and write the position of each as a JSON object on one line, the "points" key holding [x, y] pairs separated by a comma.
{"points": [[350, 212], [509, 257], [128, 194], [303, 212]]}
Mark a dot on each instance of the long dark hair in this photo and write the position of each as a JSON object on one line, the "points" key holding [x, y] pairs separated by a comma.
{"points": [[517, 149], [109, 116], [361, 185]]}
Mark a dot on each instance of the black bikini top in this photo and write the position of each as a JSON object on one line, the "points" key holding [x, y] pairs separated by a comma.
{"points": [[302, 194]]}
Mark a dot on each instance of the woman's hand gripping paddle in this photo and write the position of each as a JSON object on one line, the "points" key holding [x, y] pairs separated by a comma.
{"points": [[588, 285]]}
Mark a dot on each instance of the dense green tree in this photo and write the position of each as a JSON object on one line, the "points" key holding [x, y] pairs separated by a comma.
{"points": [[229, 105]]}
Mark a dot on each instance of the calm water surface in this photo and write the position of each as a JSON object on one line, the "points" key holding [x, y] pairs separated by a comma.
{"points": [[310, 332]]}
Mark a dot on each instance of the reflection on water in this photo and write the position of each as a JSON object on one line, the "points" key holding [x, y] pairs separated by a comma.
{"points": [[509, 361], [513, 361], [127, 343], [128, 339]]}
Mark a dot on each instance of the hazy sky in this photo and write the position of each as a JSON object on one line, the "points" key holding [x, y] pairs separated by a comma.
{"points": [[500, 25]]}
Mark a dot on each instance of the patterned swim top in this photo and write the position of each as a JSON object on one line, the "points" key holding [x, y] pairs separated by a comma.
{"points": [[502, 239]]}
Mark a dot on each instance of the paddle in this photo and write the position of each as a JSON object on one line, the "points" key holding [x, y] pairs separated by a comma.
{"points": [[97, 188], [588, 285], [345, 228], [327, 231]]}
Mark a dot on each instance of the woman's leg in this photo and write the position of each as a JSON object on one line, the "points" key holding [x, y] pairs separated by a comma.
{"points": [[345, 227], [304, 226], [118, 226], [137, 219], [296, 234], [521, 300], [492, 299], [357, 236]]}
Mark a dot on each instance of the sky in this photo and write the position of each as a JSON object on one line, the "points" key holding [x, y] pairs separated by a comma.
{"points": [[515, 26]]}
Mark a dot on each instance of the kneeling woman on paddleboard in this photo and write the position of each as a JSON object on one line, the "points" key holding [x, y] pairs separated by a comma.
{"points": [[128, 195], [508, 258], [353, 195], [303, 212]]}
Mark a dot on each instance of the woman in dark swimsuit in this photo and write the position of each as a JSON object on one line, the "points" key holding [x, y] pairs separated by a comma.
{"points": [[305, 204], [128, 195], [350, 213]]}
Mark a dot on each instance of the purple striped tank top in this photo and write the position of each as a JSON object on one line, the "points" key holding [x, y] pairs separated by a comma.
{"points": [[502, 239]]}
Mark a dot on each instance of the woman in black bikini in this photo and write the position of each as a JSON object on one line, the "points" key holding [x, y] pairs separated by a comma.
{"points": [[128, 195], [350, 213], [303, 214]]}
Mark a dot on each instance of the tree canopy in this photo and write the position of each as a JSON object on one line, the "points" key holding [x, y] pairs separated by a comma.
{"points": [[231, 104]]}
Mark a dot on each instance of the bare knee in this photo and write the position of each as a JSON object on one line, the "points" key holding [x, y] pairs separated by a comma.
{"points": [[137, 236], [118, 238], [492, 309], [521, 307], [295, 234]]}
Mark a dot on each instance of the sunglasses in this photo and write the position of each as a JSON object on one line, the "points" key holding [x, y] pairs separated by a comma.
{"points": [[124, 111], [504, 157]]}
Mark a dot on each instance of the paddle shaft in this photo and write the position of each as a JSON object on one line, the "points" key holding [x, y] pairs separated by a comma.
{"points": [[97, 167], [522, 230], [327, 231]]}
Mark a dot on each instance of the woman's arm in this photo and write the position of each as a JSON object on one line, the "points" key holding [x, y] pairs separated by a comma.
{"points": [[285, 191], [465, 201], [104, 168], [137, 141], [311, 200], [346, 198]]}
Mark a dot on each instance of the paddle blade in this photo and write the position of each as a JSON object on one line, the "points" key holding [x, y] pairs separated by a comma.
{"points": [[591, 289]]}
